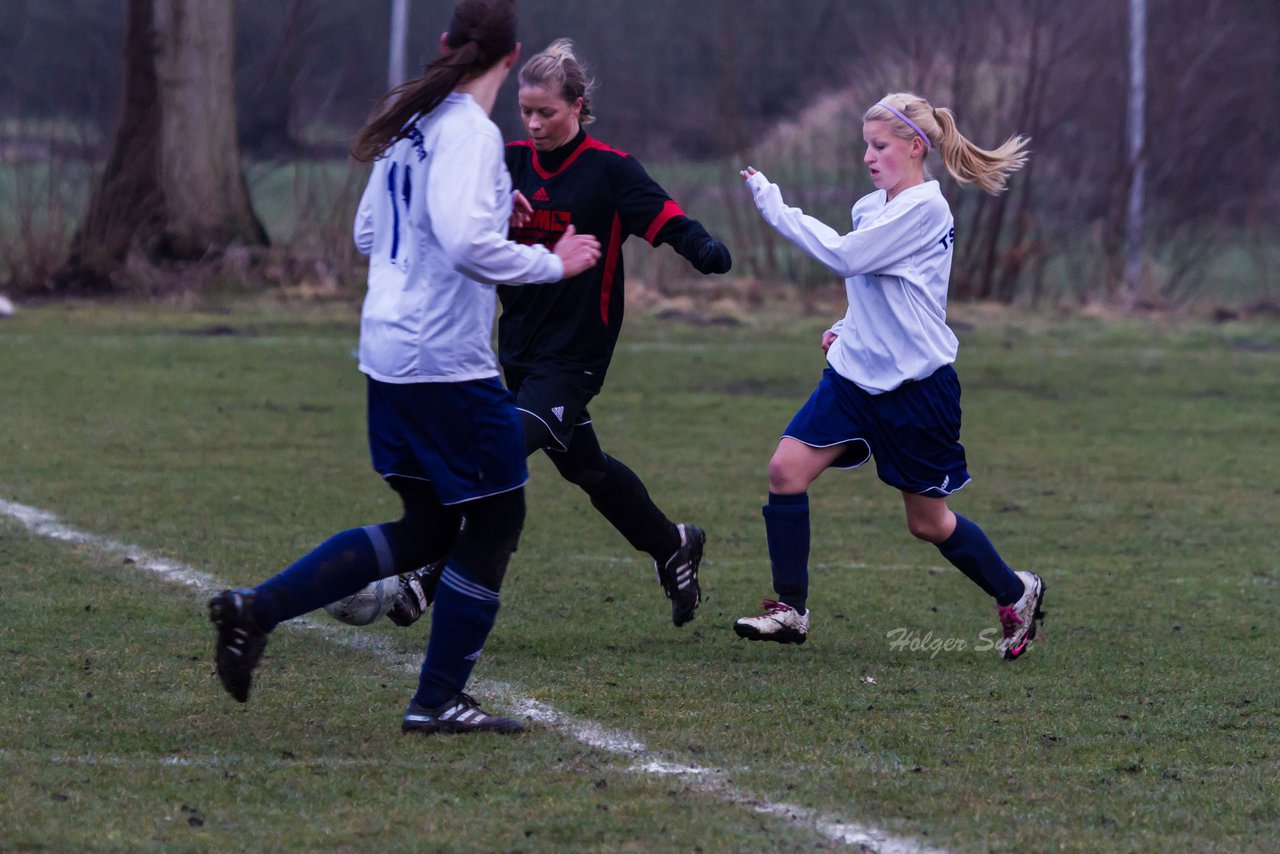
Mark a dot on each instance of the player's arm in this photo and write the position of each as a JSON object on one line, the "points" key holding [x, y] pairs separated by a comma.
{"points": [[362, 228], [521, 209], [688, 237], [470, 220], [881, 248], [829, 337], [646, 209]]}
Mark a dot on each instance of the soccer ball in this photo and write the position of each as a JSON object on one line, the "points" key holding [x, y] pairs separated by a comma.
{"points": [[366, 604]]}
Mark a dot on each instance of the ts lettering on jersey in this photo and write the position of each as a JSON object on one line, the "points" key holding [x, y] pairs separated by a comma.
{"points": [[947, 239]]}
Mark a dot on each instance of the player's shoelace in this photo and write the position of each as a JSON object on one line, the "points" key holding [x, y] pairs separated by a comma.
{"points": [[1010, 622], [470, 702], [461, 705]]}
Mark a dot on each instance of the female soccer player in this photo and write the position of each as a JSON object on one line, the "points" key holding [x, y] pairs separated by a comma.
{"points": [[442, 429], [889, 390], [555, 343]]}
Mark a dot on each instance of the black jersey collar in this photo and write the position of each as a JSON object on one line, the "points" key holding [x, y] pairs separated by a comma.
{"points": [[550, 163]]}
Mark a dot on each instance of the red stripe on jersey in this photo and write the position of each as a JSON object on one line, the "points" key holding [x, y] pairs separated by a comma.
{"points": [[669, 210], [612, 251], [587, 144]]}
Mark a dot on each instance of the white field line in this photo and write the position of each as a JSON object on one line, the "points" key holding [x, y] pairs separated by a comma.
{"points": [[711, 781]]}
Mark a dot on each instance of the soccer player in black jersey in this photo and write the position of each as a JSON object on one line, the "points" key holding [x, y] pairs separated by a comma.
{"points": [[555, 342]]}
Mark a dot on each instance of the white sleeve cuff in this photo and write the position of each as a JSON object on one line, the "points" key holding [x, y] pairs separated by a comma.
{"points": [[757, 182]]}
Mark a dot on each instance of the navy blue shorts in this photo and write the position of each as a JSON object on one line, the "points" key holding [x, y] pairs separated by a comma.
{"points": [[913, 432], [556, 397], [465, 437]]}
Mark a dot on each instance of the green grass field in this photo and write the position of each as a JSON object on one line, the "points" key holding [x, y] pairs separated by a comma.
{"points": [[1135, 466]]}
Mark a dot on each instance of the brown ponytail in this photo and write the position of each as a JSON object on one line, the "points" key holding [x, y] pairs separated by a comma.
{"points": [[481, 33]]}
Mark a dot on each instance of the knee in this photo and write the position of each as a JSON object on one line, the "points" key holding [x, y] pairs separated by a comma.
{"points": [[424, 533], [783, 477], [586, 476], [490, 535], [499, 519], [929, 529], [921, 529]]}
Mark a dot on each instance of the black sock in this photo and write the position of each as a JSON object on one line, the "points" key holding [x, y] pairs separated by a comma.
{"points": [[621, 498]]}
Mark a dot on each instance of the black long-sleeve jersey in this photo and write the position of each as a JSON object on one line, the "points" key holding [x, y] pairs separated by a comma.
{"points": [[574, 324]]}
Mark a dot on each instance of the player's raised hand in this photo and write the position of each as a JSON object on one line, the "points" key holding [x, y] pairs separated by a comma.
{"points": [[578, 252], [521, 210], [748, 172]]}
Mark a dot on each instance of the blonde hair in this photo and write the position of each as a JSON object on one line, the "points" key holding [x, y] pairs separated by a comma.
{"points": [[967, 163], [558, 68]]}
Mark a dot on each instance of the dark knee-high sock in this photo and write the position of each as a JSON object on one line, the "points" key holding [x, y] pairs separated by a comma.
{"points": [[786, 526], [620, 496], [972, 553], [338, 567], [461, 619]]}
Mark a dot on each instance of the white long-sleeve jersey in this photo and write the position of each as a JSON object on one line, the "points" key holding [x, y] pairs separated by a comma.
{"points": [[433, 221], [896, 264]]}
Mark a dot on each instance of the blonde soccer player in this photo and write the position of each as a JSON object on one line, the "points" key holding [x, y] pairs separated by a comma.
{"points": [[889, 391]]}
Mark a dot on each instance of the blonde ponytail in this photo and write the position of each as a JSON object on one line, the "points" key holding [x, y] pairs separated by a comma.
{"points": [[989, 171]]}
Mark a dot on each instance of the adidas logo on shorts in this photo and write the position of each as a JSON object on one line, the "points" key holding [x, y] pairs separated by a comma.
{"points": [[558, 412]]}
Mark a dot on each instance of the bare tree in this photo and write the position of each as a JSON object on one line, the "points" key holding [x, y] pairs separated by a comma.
{"points": [[270, 46], [739, 81], [173, 186]]}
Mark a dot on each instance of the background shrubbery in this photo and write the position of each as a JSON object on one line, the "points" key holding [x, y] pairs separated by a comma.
{"points": [[696, 90]]}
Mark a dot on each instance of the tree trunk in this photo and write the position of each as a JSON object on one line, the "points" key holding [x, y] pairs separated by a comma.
{"points": [[127, 201], [205, 195], [268, 118], [173, 187]]}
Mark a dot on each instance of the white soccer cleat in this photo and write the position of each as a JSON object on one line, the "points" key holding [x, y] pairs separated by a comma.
{"points": [[1018, 621], [779, 623]]}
